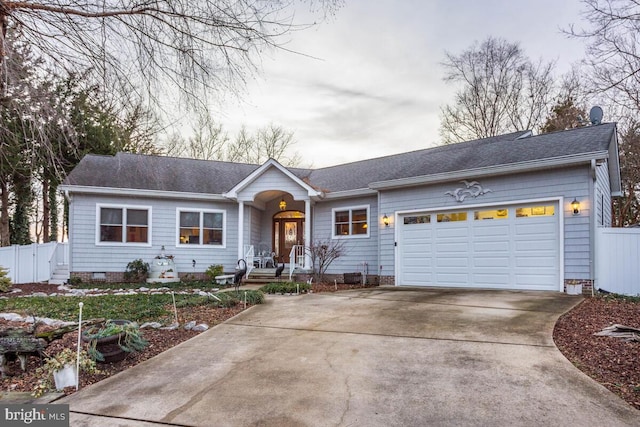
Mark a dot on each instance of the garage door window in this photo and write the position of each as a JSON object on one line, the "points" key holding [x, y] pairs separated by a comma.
{"points": [[452, 216], [418, 219], [533, 211], [491, 214]]}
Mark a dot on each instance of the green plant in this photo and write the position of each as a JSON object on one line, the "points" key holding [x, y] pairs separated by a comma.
{"points": [[56, 363], [137, 271], [214, 270], [130, 338], [5, 281], [285, 288], [75, 281]]}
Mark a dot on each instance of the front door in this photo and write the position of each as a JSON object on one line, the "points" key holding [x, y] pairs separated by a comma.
{"points": [[288, 231]]}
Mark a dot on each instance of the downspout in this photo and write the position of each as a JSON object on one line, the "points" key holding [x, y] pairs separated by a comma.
{"points": [[592, 231]]}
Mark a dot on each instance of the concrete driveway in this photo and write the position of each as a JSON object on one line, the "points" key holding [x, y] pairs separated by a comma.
{"points": [[377, 357]]}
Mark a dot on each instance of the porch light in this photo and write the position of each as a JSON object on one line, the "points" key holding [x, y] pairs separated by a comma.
{"points": [[282, 205], [385, 220], [575, 205]]}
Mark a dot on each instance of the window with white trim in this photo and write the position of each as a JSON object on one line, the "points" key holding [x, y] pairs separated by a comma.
{"points": [[123, 224], [352, 222], [201, 227]]}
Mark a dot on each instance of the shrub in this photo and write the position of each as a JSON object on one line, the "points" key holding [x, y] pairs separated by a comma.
{"points": [[5, 281], [137, 271], [130, 341], [56, 363], [214, 270], [75, 280], [285, 288]]}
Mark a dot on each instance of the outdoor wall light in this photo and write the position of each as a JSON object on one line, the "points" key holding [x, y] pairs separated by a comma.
{"points": [[385, 220], [575, 205], [282, 205]]}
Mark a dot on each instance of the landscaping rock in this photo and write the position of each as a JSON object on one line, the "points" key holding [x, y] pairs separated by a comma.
{"points": [[12, 317], [152, 325], [171, 327], [200, 328], [189, 325]]}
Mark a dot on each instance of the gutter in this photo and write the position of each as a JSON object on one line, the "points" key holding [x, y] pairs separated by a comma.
{"points": [[67, 189]]}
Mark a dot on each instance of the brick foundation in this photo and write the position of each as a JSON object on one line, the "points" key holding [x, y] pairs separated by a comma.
{"points": [[330, 278], [587, 285]]}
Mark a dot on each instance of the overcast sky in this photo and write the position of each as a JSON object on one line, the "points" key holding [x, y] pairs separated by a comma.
{"points": [[376, 87]]}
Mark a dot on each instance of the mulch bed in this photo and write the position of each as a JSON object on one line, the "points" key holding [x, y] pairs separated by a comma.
{"points": [[613, 362]]}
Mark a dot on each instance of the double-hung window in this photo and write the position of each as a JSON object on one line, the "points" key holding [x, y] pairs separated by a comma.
{"points": [[123, 224], [353, 222], [200, 227]]}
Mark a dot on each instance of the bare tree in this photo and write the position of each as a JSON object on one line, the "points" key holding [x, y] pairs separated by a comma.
{"points": [[613, 64], [613, 49], [323, 252], [501, 90], [207, 141], [626, 209], [569, 110], [193, 47], [269, 142]]}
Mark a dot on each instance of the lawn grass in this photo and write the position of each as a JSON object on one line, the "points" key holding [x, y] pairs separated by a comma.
{"points": [[182, 285], [140, 308]]}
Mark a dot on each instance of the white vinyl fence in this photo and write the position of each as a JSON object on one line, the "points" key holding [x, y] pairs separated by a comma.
{"points": [[618, 260], [33, 263]]}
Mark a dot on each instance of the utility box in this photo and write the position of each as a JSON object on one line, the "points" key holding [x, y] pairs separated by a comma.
{"points": [[352, 278]]}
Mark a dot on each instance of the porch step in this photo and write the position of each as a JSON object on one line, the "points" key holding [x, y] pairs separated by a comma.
{"points": [[60, 275], [265, 275]]}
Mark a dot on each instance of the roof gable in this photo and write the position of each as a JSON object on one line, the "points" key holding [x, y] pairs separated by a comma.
{"points": [[256, 174]]}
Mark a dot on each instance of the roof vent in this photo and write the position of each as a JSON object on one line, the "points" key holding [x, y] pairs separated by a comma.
{"points": [[595, 115]]}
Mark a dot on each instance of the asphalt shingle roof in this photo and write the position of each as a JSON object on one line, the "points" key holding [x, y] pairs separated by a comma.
{"points": [[212, 177]]}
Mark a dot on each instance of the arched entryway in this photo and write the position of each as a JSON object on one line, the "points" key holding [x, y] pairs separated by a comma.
{"points": [[288, 231]]}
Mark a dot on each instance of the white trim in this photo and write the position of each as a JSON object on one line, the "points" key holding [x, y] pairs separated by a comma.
{"points": [[562, 212], [124, 208], [350, 209], [161, 194], [201, 211], [233, 193], [350, 193], [493, 170]]}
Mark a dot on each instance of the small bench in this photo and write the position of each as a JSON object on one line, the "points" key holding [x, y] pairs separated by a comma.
{"points": [[226, 279], [19, 343]]}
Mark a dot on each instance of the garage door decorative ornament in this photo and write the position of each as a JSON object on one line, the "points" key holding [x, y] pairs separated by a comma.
{"points": [[471, 189]]}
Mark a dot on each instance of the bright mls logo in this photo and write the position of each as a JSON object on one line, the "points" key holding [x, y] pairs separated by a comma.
{"points": [[34, 415]]}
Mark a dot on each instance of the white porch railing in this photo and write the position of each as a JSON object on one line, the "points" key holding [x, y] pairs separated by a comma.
{"points": [[249, 254], [296, 259]]}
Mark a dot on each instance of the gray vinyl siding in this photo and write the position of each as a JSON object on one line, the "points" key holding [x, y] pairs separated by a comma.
{"points": [[270, 179], [356, 250], [567, 183], [89, 257], [256, 226]]}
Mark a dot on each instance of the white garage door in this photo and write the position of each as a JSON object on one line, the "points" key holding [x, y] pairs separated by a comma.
{"points": [[508, 247]]}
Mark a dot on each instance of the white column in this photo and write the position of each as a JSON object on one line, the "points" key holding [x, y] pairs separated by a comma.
{"points": [[307, 233], [241, 230]]}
